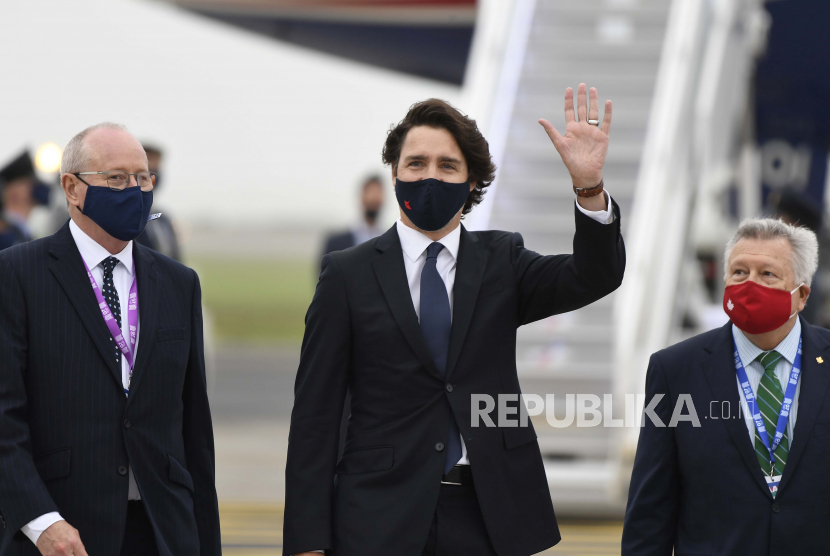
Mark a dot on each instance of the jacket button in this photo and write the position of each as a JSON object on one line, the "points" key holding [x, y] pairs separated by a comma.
{"points": [[776, 508], [127, 423], [122, 470], [449, 387], [439, 446]]}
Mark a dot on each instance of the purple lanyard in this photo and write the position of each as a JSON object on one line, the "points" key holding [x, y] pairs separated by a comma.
{"points": [[112, 324]]}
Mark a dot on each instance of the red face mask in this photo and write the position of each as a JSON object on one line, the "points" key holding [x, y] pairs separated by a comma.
{"points": [[757, 309]]}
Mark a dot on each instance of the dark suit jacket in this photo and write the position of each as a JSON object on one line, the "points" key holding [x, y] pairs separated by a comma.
{"points": [[701, 490], [67, 432], [362, 335], [339, 242], [160, 235], [10, 235]]}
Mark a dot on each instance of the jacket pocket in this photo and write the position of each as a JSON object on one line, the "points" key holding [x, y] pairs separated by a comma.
{"points": [[180, 475], [366, 460], [54, 465], [518, 436], [167, 334]]}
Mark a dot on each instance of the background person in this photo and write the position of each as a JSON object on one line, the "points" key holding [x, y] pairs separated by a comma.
{"points": [[106, 444], [9, 233], [415, 322], [17, 185], [712, 489], [161, 236], [372, 197]]}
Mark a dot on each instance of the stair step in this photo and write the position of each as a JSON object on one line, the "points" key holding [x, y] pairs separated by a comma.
{"points": [[578, 70], [551, 47], [643, 9], [557, 189]]}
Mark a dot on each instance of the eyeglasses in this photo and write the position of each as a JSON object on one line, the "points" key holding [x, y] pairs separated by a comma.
{"points": [[120, 180]]}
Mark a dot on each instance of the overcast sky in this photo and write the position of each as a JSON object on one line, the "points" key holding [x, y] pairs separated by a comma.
{"points": [[257, 132]]}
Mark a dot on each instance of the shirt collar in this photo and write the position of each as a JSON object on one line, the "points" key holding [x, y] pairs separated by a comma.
{"points": [[93, 254], [748, 351], [414, 243]]}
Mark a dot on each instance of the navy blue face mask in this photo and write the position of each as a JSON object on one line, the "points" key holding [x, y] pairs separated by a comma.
{"points": [[122, 214], [430, 204]]}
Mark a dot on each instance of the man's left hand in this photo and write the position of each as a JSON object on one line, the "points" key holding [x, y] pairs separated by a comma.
{"points": [[584, 146]]}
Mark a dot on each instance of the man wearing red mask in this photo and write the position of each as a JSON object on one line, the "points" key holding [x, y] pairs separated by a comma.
{"points": [[750, 476]]}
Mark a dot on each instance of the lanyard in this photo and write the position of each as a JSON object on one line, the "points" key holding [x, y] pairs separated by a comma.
{"points": [[112, 324], [789, 395]]}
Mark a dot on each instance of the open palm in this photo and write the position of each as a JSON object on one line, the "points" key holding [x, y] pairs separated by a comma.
{"points": [[584, 146]]}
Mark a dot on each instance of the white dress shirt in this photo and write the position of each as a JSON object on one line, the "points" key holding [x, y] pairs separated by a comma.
{"points": [[748, 351], [122, 277]]}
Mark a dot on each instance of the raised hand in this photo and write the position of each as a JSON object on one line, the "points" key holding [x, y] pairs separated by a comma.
{"points": [[584, 146]]}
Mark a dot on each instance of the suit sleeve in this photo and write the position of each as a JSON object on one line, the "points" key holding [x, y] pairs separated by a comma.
{"points": [[651, 514], [549, 285], [319, 394], [198, 435], [23, 495]]}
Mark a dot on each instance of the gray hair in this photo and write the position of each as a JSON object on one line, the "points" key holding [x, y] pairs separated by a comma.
{"points": [[802, 240], [76, 154]]}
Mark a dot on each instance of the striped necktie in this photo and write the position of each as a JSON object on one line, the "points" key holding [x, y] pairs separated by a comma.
{"points": [[770, 397]]}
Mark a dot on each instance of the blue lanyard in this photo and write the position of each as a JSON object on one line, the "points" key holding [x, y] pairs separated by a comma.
{"points": [[789, 396]]}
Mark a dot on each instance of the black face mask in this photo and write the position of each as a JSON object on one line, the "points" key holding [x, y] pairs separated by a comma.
{"points": [[430, 204], [122, 214], [371, 214]]}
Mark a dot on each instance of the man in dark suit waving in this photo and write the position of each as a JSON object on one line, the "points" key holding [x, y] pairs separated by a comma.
{"points": [[749, 473], [416, 322], [106, 442]]}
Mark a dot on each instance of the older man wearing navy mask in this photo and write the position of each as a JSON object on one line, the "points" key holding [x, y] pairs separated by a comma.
{"points": [[748, 475], [416, 322], [106, 443]]}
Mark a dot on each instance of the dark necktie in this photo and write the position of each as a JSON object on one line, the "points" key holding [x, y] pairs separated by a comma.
{"points": [[436, 324], [111, 297]]}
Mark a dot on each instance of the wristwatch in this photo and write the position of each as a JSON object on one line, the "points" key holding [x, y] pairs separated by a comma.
{"points": [[589, 191]]}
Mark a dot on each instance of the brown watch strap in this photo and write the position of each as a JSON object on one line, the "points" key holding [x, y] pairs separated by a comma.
{"points": [[589, 191]]}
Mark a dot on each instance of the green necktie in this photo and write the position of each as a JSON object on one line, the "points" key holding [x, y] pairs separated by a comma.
{"points": [[770, 397]]}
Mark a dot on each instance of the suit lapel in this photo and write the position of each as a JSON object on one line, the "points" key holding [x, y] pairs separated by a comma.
{"points": [[391, 274], [68, 269], [469, 272], [815, 378], [148, 309], [719, 370]]}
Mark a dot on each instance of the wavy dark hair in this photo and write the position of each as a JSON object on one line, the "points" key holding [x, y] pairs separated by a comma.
{"points": [[437, 113]]}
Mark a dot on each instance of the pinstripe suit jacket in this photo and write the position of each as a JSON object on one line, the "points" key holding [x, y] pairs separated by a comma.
{"points": [[67, 432]]}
